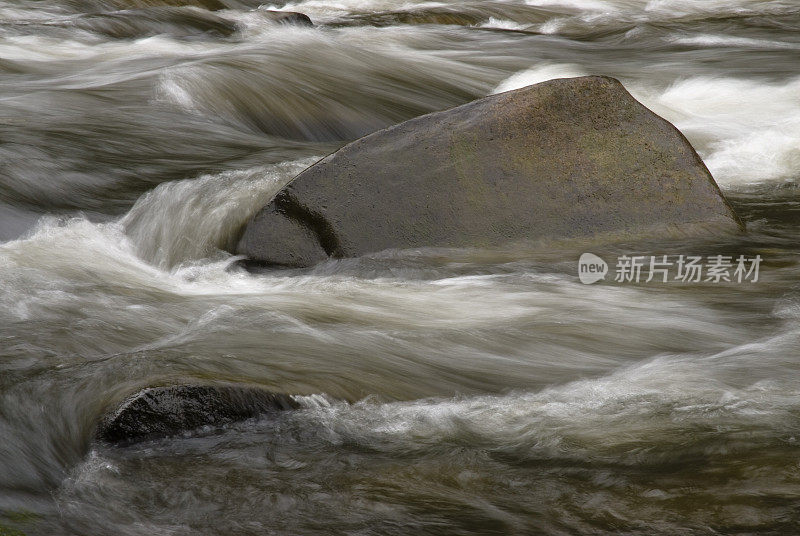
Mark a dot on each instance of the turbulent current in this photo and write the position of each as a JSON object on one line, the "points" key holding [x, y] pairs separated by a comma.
{"points": [[469, 391]]}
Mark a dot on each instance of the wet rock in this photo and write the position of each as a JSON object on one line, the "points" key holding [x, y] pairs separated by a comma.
{"points": [[287, 17], [164, 411], [99, 6], [566, 158], [106, 5], [461, 14], [443, 15], [172, 21]]}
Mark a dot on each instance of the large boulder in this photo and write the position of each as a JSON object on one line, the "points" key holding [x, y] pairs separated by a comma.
{"points": [[565, 158], [158, 412]]}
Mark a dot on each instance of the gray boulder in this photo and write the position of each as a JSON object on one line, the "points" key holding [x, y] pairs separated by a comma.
{"points": [[158, 412], [566, 158]]}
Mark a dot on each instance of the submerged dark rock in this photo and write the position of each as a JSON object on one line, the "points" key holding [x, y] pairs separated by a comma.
{"points": [[175, 21], [288, 17], [172, 21], [565, 158], [212, 5], [105, 5], [164, 411], [461, 16]]}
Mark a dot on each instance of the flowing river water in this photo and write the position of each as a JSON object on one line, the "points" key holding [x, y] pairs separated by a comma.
{"points": [[443, 391]]}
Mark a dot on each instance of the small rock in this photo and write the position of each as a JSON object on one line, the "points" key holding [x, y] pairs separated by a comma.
{"points": [[158, 412], [288, 17]]}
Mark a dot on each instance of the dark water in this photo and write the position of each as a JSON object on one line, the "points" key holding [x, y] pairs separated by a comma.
{"points": [[444, 392]]}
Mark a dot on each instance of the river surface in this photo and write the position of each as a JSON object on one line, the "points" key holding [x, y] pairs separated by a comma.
{"points": [[442, 391]]}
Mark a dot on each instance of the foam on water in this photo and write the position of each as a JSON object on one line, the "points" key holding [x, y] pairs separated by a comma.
{"points": [[502, 24], [193, 219], [343, 90], [746, 131], [712, 40], [664, 401], [46, 48], [669, 8], [641, 442], [481, 390], [590, 5], [538, 74]]}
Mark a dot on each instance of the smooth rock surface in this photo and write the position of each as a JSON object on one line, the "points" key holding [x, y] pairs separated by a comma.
{"points": [[566, 158], [164, 411]]}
